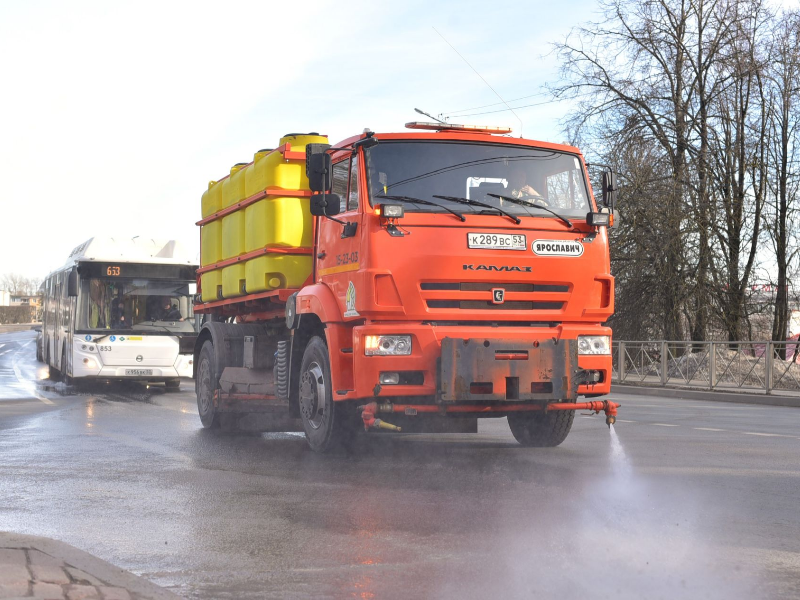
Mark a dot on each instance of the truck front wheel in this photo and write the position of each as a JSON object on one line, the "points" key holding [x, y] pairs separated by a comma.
{"points": [[539, 429], [324, 422], [206, 386]]}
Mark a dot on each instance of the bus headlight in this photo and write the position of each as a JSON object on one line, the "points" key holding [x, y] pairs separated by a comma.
{"points": [[387, 345], [594, 344]]}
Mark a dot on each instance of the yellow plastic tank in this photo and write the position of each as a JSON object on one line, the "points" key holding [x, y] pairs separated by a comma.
{"points": [[233, 277], [279, 221], [273, 170], [277, 271], [211, 242]]}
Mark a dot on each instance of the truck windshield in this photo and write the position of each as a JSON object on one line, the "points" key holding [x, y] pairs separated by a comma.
{"points": [[143, 305], [425, 169]]}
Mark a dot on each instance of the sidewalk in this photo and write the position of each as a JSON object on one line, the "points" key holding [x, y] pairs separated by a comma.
{"points": [[38, 567], [708, 396]]}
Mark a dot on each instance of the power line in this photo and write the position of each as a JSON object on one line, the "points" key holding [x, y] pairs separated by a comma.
{"points": [[481, 76], [489, 112], [452, 112]]}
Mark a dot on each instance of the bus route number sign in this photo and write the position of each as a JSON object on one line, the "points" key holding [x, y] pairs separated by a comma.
{"points": [[113, 271]]}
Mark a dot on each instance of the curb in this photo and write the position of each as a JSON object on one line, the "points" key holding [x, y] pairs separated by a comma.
{"points": [[111, 575], [691, 394]]}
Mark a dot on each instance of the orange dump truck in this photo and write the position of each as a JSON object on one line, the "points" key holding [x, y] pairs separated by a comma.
{"points": [[411, 281]]}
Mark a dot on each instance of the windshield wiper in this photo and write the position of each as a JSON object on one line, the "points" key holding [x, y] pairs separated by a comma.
{"points": [[426, 202], [523, 203], [469, 202]]}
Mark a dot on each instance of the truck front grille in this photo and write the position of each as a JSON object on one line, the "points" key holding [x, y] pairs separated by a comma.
{"points": [[488, 305], [477, 295]]}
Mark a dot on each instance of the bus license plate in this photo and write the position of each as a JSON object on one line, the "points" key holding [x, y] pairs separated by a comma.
{"points": [[139, 372], [496, 241]]}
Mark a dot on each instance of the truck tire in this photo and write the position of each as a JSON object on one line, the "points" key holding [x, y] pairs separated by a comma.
{"points": [[539, 429], [324, 422], [39, 356], [205, 386]]}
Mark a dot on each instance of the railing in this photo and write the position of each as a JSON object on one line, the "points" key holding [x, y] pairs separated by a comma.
{"points": [[769, 367]]}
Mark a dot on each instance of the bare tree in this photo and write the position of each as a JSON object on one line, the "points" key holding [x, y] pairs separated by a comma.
{"points": [[784, 74], [686, 84]]}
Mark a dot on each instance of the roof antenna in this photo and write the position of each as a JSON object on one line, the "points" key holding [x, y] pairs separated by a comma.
{"points": [[422, 112], [484, 81]]}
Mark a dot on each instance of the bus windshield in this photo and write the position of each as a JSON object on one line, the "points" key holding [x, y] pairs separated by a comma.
{"points": [[425, 169], [145, 305]]}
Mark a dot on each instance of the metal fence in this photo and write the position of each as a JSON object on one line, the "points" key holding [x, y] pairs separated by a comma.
{"points": [[770, 367]]}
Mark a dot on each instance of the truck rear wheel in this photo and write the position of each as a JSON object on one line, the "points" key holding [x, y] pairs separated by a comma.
{"points": [[324, 422], [539, 429], [206, 385]]}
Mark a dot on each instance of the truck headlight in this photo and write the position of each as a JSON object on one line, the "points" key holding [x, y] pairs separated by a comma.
{"points": [[594, 344], [387, 345]]}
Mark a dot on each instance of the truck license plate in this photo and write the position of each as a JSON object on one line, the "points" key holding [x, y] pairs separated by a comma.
{"points": [[139, 372], [496, 241]]}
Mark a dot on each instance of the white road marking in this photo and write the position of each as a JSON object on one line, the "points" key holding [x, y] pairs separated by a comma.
{"points": [[708, 429], [624, 421], [767, 434], [664, 424]]}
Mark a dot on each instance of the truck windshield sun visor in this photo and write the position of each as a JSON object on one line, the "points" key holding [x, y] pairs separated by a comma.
{"points": [[508, 179]]}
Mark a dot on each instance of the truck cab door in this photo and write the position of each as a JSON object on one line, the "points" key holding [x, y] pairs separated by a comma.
{"points": [[339, 248]]}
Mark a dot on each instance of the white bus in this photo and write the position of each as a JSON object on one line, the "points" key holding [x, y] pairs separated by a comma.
{"points": [[120, 310]]}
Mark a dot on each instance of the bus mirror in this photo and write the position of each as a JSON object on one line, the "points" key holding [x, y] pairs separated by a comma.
{"points": [[72, 283], [325, 205], [609, 189], [318, 167]]}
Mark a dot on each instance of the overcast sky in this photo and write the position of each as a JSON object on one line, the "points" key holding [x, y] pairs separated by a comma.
{"points": [[114, 116]]}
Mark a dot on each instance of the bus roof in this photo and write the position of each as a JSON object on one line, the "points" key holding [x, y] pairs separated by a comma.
{"points": [[134, 250]]}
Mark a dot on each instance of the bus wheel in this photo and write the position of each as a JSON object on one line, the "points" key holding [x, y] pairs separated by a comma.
{"points": [[324, 421], [207, 382], [172, 385], [64, 377], [39, 351], [539, 429], [53, 373]]}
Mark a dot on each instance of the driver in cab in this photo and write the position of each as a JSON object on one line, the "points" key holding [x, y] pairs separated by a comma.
{"points": [[171, 312], [518, 187]]}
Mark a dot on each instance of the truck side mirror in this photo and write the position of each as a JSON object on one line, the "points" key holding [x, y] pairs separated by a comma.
{"points": [[319, 167], [72, 283], [367, 142], [609, 185], [325, 205]]}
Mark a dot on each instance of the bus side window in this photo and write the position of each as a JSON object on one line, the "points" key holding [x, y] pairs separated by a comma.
{"points": [[340, 176]]}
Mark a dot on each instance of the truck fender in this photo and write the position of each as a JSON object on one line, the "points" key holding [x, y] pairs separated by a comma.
{"points": [[319, 300]]}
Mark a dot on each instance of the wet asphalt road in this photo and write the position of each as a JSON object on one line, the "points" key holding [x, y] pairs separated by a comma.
{"points": [[700, 501]]}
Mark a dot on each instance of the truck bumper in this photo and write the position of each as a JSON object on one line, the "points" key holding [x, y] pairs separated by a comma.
{"points": [[478, 364]]}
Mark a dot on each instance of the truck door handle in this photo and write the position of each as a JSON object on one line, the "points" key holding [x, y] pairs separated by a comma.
{"points": [[321, 255]]}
